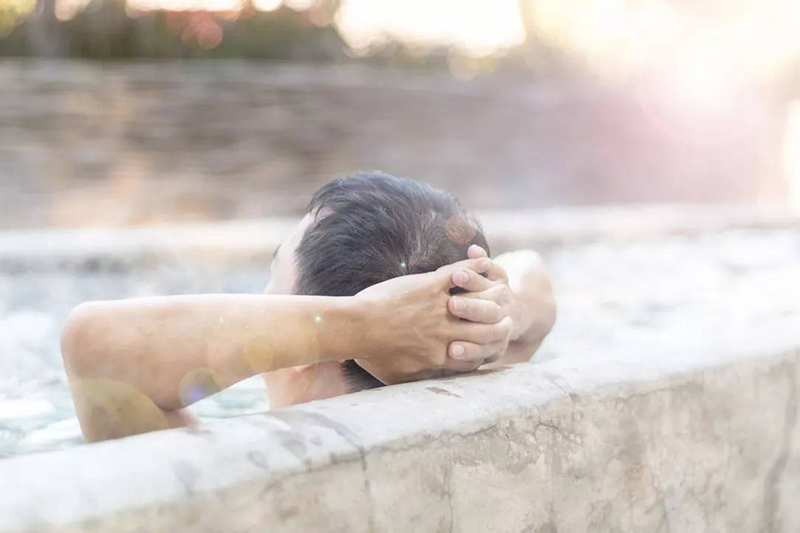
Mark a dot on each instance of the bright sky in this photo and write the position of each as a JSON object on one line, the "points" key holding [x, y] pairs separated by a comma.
{"points": [[478, 26], [708, 39]]}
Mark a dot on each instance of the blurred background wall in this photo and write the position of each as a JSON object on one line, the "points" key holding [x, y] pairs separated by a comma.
{"points": [[119, 113]]}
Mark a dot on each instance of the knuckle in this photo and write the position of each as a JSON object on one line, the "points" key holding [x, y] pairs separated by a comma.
{"points": [[484, 264], [498, 313], [504, 307], [504, 293]]}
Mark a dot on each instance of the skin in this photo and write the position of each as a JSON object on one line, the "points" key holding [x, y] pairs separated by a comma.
{"points": [[516, 285], [134, 364]]}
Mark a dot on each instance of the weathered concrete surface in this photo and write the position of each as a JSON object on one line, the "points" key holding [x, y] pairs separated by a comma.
{"points": [[700, 438], [666, 399], [255, 240]]}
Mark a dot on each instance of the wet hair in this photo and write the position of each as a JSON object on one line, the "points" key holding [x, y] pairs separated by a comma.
{"points": [[372, 227]]}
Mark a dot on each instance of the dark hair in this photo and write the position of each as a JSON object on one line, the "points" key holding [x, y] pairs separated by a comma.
{"points": [[372, 227]]}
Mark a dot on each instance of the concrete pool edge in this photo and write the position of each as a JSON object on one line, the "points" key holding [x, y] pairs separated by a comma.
{"points": [[239, 241], [702, 434]]}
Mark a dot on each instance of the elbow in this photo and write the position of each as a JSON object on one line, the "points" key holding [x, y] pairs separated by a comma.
{"points": [[550, 315], [78, 350], [536, 279], [548, 309], [542, 302]]}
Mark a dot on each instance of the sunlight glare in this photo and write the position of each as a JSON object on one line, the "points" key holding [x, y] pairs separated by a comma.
{"points": [[267, 5], [792, 155], [479, 27], [301, 5], [703, 80], [184, 5]]}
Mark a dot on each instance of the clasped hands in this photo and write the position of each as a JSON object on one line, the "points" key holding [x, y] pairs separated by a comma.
{"points": [[439, 323]]}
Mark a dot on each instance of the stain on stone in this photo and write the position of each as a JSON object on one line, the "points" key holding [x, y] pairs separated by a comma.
{"points": [[187, 474], [286, 513], [294, 444], [548, 527], [298, 419], [443, 392], [270, 487], [558, 381], [258, 459]]}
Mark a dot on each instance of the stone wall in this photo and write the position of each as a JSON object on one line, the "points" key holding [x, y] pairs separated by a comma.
{"points": [[701, 440], [88, 144]]}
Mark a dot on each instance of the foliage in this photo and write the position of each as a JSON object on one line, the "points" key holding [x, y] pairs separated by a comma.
{"points": [[104, 30]]}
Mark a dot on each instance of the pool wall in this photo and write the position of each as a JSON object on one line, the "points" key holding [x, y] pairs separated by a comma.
{"points": [[680, 422], [696, 440]]}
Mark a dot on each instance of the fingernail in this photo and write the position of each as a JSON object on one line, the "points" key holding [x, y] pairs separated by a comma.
{"points": [[462, 276], [459, 304], [458, 350]]}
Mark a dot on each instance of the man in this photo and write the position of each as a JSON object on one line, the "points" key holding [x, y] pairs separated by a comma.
{"points": [[365, 229], [339, 314]]}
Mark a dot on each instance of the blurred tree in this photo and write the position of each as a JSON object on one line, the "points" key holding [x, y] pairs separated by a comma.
{"points": [[105, 30], [43, 31], [542, 57], [323, 13]]}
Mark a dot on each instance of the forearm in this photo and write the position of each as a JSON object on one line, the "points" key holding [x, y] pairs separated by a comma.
{"points": [[132, 363], [533, 307], [177, 350]]}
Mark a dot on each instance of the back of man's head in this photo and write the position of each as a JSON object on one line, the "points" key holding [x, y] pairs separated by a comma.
{"points": [[372, 227]]}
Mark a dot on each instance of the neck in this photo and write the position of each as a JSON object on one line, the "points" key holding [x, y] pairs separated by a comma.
{"points": [[306, 383]]}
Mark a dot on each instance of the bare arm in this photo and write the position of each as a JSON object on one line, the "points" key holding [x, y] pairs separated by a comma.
{"points": [[518, 286], [533, 307], [132, 364]]}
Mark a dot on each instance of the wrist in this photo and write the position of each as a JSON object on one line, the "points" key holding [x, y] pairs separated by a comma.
{"points": [[354, 328]]}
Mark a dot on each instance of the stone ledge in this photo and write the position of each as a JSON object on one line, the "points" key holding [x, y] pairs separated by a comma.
{"points": [[249, 241], [698, 436]]}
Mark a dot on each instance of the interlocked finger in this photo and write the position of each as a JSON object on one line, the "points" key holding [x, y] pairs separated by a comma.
{"points": [[476, 309]]}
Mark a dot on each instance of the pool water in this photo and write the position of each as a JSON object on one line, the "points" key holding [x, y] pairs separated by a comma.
{"points": [[36, 411], [611, 297]]}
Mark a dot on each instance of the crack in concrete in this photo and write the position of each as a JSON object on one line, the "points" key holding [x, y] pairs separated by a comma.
{"points": [[553, 378], [552, 427], [778, 468], [771, 507], [350, 437], [664, 522], [448, 493]]}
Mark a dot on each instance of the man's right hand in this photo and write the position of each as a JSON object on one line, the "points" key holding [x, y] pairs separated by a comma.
{"points": [[518, 282], [412, 329]]}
